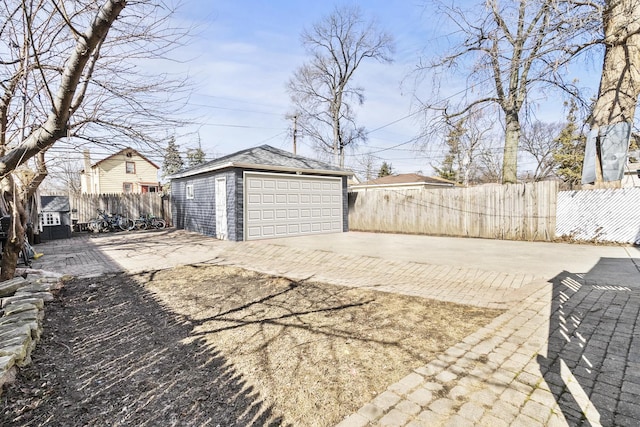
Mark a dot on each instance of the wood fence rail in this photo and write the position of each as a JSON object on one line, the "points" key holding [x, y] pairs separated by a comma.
{"points": [[513, 212], [85, 206]]}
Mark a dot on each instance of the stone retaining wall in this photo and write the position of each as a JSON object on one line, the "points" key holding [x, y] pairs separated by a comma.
{"points": [[22, 311]]}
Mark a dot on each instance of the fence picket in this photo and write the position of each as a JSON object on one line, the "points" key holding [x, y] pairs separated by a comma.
{"points": [[85, 206], [515, 212]]}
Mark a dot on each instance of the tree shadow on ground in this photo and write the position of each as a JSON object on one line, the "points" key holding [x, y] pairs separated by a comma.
{"points": [[111, 355], [317, 351], [593, 356]]}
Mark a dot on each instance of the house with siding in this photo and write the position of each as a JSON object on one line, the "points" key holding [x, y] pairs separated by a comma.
{"points": [[126, 171], [260, 193]]}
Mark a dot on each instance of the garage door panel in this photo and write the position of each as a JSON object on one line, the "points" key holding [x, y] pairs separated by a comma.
{"points": [[291, 205], [253, 184], [254, 232]]}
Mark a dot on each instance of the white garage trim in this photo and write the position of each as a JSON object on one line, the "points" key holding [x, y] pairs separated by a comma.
{"points": [[282, 205]]}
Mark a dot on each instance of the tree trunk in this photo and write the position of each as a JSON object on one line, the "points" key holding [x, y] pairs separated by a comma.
{"points": [[620, 80], [10, 254], [511, 141], [15, 240]]}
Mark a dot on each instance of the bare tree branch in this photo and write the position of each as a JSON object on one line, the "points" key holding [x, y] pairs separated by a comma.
{"points": [[520, 46], [321, 89]]}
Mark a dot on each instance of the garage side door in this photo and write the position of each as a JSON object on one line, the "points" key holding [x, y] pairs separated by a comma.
{"points": [[281, 205]]}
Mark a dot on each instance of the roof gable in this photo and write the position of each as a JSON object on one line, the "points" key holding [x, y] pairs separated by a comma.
{"points": [[54, 204], [125, 151], [264, 157]]}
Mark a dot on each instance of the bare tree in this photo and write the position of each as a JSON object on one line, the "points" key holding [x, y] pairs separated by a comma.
{"points": [[61, 76], [322, 89], [466, 142], [506, 50], [489, 166], [540, 140], [63, 177], [620, 80], [368, 165]]}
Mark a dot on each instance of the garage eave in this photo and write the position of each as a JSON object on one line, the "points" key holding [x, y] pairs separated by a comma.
{"points": [[292, 169], [254, 166]]}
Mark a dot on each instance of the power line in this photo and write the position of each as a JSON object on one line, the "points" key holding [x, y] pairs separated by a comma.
{"points": [[234, 109]]}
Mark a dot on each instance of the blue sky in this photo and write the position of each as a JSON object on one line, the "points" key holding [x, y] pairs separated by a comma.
{"points": [[244, 51]]}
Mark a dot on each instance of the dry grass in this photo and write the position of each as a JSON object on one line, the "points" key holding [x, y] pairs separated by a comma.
{"points": [[317, 352]]}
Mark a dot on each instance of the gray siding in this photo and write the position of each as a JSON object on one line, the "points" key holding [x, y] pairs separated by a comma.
{"points": [[345, 205], [239, 204], [199, 214]]}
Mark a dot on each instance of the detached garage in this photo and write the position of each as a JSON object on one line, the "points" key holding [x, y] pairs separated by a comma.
{"points": [[260, 193]]}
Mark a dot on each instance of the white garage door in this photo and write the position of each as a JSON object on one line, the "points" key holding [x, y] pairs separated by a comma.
{"points": [[280, 205]]}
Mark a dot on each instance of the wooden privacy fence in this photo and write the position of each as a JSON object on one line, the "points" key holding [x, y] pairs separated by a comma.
{"points": [[85, 206], [514, 212]]}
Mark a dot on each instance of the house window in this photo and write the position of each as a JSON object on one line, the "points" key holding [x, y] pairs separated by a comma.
{"points": [[148, 189], [50, 218], [127, 187], [130, 167], [190, 192]]}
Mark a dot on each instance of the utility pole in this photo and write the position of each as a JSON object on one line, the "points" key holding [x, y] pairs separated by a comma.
{"points": [[295, 133]]}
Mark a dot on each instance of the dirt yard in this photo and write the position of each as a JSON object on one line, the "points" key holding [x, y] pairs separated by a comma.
{"points": [[212, 345]]}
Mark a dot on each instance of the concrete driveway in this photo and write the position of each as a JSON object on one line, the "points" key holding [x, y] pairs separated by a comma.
{"points": [[564, 351], [472, 271], [540, 259]]}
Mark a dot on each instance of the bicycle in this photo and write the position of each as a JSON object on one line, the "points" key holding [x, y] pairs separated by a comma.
{"points": [[149, 221], [110, 222]]}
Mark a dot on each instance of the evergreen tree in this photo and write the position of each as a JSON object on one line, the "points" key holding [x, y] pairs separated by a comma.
{"points": [[195, 157], [385, 170], [570, 152], [450, 166], [172, 160]]}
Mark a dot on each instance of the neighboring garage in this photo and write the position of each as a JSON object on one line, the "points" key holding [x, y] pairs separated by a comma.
{"points": [[260, 193]]}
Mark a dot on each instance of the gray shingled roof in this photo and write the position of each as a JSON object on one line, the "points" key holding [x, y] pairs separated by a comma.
{"points": [[55, 204], [264, 157]]}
